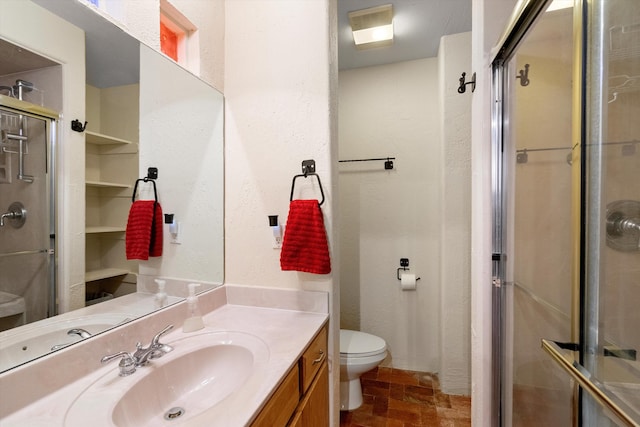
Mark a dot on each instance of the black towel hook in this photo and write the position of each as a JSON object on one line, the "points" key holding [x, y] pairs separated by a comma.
{"points": [[308, 169], [463, 83], [523, 75]]}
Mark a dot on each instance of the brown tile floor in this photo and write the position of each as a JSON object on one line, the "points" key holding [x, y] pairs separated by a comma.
{"points": [[397, 398]]}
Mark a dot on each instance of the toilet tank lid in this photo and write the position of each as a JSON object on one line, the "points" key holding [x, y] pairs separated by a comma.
{"points": [[356, 342]]}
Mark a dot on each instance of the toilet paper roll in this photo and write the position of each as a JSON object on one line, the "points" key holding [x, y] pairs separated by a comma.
{"points": [[408, 281]]}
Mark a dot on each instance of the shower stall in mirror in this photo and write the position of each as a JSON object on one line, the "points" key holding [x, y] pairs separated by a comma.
{"points": [[27, 223], [567, 234]]}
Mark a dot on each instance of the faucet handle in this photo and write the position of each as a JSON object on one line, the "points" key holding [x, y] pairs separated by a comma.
{"points": [[127, 363], [156, 338]]}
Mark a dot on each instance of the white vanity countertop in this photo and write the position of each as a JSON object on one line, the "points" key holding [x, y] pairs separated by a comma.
{"points": [[285, 332]]}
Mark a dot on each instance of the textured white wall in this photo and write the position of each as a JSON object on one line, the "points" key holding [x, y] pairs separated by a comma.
{"points": [[280, 68], [277, 115], [67, 48], [454, 57], [392, 110], [181, 133]]}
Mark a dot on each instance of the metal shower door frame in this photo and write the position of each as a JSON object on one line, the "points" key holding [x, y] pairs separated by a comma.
{"points": [[50, 119]]}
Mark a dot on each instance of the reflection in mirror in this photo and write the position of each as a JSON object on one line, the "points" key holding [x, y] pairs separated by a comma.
{"points": [[142, 110]]}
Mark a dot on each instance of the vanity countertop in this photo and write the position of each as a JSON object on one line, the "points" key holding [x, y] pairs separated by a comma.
{"points": [[286, 333]]}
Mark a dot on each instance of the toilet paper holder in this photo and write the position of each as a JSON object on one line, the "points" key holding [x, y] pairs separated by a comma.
{"points": [[404, 266]]}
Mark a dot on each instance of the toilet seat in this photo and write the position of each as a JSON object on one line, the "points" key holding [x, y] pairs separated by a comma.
{"points": [[360, 344]]}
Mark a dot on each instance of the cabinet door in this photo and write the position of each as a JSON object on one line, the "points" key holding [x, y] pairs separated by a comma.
{"points": [[314, 409], [282, 404]]}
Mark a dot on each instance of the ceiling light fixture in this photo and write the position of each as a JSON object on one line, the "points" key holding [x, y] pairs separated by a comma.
{"points": [[372, 27]]}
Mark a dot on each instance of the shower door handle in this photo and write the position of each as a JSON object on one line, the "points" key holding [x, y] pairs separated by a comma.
{"points": [[581, 376]]}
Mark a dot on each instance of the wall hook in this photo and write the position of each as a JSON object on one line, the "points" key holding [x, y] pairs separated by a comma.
{"points": [[523, 75], [308, 166], [463, 85], [77, 126]]}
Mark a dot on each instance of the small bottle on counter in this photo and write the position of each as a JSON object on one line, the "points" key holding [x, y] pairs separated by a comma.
{"points": [[193, 321], [161, 295]]}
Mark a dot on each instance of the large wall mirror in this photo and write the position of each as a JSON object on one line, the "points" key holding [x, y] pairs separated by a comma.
{"points": [[142, 110]]}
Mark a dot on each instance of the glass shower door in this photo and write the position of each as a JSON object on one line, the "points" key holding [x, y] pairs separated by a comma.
{"points": [[26, 230], [611, 304], [567, 249], [538, 163]]}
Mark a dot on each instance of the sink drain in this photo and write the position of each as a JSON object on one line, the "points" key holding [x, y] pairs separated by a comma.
{"points": [[174, 413]]}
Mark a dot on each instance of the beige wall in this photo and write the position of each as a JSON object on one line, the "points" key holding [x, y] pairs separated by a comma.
{"points": [[279, 78], [392, 110], [181, 133], [420, 210], [454, 57]]}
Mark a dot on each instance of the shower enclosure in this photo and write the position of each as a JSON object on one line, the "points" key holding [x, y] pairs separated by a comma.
{"points": [[566, 184], [27, 223]]}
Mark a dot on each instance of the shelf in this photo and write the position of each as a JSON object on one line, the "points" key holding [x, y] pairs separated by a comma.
{"points": [[104, 273], [103, 184], [100, 229], [101, 139]]}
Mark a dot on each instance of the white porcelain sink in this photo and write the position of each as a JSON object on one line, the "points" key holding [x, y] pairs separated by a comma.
{"points": [[200, 373]]}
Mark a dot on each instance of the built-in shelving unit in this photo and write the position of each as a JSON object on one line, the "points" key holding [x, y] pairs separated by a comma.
{"points": [[102, 184], [101, 139], [104, 273], [111, 169]]}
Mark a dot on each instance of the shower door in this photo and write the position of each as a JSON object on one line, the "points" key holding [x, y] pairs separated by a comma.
{"points": [[27, 262], [537, 167], [567, 235]]}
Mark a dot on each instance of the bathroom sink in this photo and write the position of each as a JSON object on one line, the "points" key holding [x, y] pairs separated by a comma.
{"points": [[38, 339], [199, 374]]}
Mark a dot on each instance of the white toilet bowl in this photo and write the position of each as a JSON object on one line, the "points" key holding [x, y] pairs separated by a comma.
{"points": [[359, 352]]}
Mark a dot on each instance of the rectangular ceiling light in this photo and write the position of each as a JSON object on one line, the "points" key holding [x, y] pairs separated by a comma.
{"points": [[372, 27]]}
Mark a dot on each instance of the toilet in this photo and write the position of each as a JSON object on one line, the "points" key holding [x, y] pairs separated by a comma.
{"points": [[359, 352]]}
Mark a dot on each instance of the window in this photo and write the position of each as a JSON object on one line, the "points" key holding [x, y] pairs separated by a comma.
{"points": [[178, 37], [169, 41]]}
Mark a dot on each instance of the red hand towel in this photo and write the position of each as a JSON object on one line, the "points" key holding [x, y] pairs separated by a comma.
{"points": [[144, 230], [305, 245]]}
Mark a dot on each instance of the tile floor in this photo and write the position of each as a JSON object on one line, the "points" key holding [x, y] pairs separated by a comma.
{"points": [[397, 398]]}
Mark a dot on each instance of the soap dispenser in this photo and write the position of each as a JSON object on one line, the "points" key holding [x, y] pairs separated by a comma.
{"points": [[193, 321], [161, 295]]}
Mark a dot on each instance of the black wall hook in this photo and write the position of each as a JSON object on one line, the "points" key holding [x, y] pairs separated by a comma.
{"points": [[77, 125], [523, 75], [463, 85]]}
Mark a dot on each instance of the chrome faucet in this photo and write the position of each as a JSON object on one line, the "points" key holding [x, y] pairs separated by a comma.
{"points": [[80, 332], [142, 356], [16, 212], [155, 350]]}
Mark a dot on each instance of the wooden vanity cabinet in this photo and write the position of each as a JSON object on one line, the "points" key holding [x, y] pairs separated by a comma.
{"points": [[302, 399]]}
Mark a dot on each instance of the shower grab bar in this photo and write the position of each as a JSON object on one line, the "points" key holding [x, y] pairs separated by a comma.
{"points": [[37, 251], [580, 375]]}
